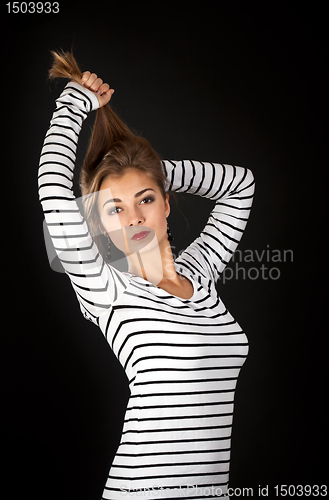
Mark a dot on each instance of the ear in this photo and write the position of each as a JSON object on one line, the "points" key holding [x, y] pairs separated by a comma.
{"points": [[167, 205]]}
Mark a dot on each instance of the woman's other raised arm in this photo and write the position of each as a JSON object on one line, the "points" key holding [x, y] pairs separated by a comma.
{"points": [[96, 284]]}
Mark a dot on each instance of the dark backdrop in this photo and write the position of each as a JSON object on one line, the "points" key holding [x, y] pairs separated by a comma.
{"points": [[232, 82]]}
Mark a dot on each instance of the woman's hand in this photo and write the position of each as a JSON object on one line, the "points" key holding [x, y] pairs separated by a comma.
{"points": [[96, 85]]}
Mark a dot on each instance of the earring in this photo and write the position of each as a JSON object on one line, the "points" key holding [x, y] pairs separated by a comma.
{"points": [[108, 249], [170, 236]]}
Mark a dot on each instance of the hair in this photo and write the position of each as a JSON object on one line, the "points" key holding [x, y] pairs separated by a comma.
{"points": [[113, 149]]}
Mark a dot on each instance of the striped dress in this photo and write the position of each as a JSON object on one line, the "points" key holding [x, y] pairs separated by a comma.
{"points": [[182, 357]]}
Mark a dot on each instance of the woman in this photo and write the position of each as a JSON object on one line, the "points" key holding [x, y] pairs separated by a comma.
{"points": [[179, 346]]}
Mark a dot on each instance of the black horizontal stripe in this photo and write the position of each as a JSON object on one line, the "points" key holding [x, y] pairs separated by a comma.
{"points": [[167, 476], [217, 240], [249, 197], [57, 153], [177, 464], [177, 441], [236, 191], [181, 405], [149, 308], [63, 251], [189, 358], [52, 184], [66, 127], [191, 369], [67, 236], [205, 326], [232, 355], [206, 193], [53, 173], [66, 224], [180, 393], [100, 289], [176, 452], [91, 275], [61, 210], [47, 198], [72, 120], [185, 323], [238, 187], [53, 162], [189, 381], [95, 304], [66, 137], [225, 235], [152, 299], [76, 249], [85, 97], [67, 106], [186, 345], [60, 144], [177, 417]]}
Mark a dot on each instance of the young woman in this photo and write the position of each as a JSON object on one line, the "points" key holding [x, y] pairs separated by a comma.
{"points": [[178, 344]]}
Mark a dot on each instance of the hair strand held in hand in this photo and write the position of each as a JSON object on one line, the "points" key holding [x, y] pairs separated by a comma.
{"points": [[113, 147]]}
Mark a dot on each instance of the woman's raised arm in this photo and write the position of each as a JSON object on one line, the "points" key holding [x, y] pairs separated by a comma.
{"points": [[232, 188], [96, 284]]}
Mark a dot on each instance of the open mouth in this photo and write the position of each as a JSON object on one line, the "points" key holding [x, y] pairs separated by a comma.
{"points": [[140, 236]]}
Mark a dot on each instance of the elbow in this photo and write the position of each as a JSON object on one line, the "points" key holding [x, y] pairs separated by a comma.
{"points": [[250, 179]]}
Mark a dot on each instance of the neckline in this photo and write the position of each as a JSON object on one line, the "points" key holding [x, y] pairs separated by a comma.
{"points": [[180, 271]]}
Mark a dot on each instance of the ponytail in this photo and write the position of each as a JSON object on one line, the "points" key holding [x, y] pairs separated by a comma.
{"points": [[108, 127], [113, 147]]}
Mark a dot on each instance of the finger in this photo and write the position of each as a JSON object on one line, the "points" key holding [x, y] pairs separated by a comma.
{"points": [[106, 97], [96, 84], [90, 80], [103, 88], [85, 77]]}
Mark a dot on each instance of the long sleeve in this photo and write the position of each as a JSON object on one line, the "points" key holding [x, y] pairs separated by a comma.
{"points": [[232, 189], [96, 284]]}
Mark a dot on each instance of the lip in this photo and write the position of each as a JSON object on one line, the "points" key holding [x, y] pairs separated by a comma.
{"points": [[140, 236]]}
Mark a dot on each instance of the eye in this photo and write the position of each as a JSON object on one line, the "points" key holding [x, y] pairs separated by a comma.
{"points": [[148, 199], [114, 210]]}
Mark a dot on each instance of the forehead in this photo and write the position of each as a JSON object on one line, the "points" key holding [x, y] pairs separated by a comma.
{"points": [[125, 186]]}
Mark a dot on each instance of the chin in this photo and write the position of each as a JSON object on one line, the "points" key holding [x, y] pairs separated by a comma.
{"points": [[124, 241], [150, 245]]}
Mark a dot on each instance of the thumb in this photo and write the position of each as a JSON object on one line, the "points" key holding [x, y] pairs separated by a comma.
{"points": [[105, 97]]}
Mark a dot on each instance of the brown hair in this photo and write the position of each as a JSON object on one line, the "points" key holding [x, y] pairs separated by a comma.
{"points": [[113, 149]]}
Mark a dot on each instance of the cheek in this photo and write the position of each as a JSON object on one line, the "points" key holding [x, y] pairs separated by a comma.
{"points": [[118, 239], [162, 223], [157, 217], [113, 227], [111, 222]]}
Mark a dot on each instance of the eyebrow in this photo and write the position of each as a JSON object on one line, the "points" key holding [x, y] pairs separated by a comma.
{"points": [[117, 200]]}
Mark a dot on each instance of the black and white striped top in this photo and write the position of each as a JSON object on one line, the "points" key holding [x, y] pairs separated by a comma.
{"points": [[182, 357]]}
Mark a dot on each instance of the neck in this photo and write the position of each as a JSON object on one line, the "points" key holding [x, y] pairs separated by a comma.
{"points": [[156, 265]]}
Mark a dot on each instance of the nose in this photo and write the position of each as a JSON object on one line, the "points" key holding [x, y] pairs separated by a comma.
{"points": [[135, 218], [135, 222]]}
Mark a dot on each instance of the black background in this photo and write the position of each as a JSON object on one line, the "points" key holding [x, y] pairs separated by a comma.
{"points": [[233, 82]]}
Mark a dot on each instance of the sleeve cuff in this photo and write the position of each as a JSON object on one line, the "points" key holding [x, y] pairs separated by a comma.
{"points": [[88, 93]]}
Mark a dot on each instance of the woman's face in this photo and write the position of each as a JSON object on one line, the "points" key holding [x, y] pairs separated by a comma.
{"points": [[133, 212]]}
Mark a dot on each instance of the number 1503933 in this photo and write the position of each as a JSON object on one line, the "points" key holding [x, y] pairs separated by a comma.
{"points": [[32, 7]]}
